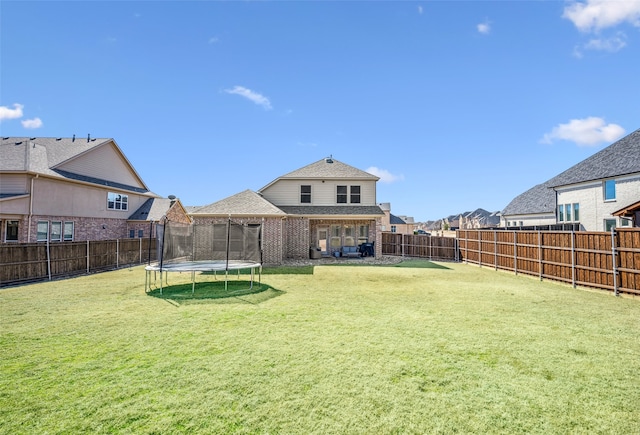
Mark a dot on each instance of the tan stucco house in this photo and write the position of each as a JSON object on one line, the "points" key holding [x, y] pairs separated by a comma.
{"points": [[73, 189], [325, 205]]}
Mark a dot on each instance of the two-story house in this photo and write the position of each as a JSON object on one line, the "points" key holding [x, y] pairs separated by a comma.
{"points": [[66, 189], [326, 205], [597, 194]]}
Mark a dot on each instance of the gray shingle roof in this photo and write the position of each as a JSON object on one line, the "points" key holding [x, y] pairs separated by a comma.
{"points": [[620, 158], [42, 155], [349, 210], [538, 199], [395, 220], [244, 203], [153, 209]]}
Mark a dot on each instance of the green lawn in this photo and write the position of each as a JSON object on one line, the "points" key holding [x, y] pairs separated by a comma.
{"points": [[349, 349]]}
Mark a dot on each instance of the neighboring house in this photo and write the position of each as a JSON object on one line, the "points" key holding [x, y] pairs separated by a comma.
{"points": [[66, 189], [479, 218], [325, 205], [597, 194], [143, 222], [396, 224]]}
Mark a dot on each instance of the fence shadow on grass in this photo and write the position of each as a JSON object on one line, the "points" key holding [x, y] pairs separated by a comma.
{"points": [[215, 293]]}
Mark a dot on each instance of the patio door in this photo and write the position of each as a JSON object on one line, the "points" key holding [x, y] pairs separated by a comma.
{"points": [[323, 237]]}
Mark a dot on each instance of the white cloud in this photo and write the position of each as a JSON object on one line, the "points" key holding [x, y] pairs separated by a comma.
{"points": [[213, 40], [384, 175], [32, 123], [7, 113], [589, 131], [250, 95], [612, 44], [594, 15], [420, 10], [484, 28]]}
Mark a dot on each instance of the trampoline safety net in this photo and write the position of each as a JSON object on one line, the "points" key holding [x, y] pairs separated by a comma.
{"points": [[222, 241]]}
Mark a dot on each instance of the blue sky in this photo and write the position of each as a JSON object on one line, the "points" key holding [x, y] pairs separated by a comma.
{"points": [[456, 105]]}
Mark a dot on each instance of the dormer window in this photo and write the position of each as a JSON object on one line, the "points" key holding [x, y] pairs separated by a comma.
{"points": [[305, 194]]}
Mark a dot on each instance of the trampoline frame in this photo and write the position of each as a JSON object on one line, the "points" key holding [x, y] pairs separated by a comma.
{"points": [[201, 266]]}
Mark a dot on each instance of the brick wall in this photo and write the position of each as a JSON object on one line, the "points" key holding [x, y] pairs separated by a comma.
{"points": [[297, 240]]}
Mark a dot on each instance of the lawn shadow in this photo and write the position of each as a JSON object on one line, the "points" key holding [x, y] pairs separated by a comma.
{"points": [[214, 292]]}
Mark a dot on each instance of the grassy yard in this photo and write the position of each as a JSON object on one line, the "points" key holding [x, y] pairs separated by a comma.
{"points": [[349, 349]]}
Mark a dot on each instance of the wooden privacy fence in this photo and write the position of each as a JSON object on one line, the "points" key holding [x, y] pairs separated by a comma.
{"points": [[42, 261], [413, 245], [609, 261]]}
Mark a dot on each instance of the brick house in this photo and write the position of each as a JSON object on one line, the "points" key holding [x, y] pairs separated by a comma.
{"points": [[66, 189], [325, 205]]}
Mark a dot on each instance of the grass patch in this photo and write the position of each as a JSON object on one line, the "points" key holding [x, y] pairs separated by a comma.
{"points": [[345, 350], [213, 291]]}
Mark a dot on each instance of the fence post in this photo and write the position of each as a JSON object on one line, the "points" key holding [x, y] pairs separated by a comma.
{"points": [[495, 249], [402, 244], [614, 261], [540, 255], [48, 259], [140, 250], [515, 252], [456, 253], [117, 253], [479, 239], [87, 257], [430, 248], [573, 259]]}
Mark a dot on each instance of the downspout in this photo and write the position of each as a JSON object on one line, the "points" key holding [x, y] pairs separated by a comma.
{"points": [[30, 209]]}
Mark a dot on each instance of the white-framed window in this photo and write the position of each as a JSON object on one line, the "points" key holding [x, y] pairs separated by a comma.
{"points": [[305, 194], [11, 231], [624, 222], [610, 190], [363, 234], [349, 236], [67, 235], [56, 231], [341, 195], [140, 234], [132, 234], [43, 231], [393, 228], [117, 201], [569, 212], [609, 223], [355, 195], [336, 236]]}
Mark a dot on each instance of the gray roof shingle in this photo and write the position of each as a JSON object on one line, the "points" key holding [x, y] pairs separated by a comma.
{"points": [[349, 210], [246, 203], [620, 158], [539, 199], [153, 209]]}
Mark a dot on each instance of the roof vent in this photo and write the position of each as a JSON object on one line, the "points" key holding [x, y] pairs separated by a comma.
{"points": [[58, 138], [172, 197], [88, 137], [329, 159], [73, 139], [32, 138]]}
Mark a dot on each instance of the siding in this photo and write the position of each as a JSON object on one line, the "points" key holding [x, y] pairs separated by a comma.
{"points": [[14, 183], [104, 163], [287, 192], [593, 209]]}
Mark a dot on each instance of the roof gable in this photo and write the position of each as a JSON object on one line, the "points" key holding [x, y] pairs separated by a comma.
{"points": [[328, 168], [246, 203], [97, 161]]}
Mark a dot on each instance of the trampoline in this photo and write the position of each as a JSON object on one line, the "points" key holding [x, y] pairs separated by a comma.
{"points": [[201, 266], [207, 247]]}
